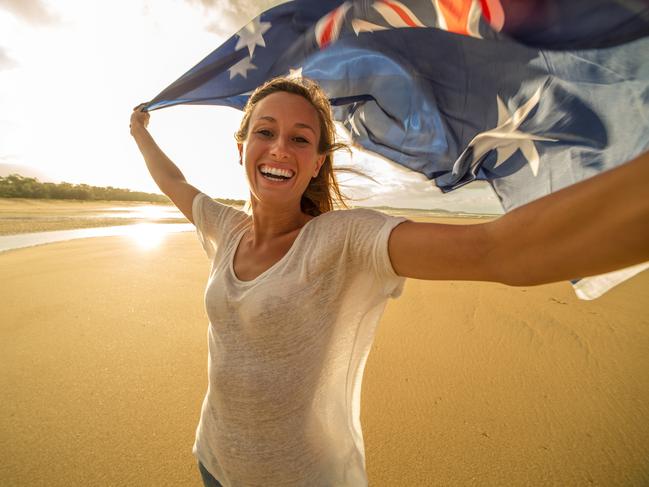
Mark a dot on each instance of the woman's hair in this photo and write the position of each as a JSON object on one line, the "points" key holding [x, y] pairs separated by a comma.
{"points": [[323, 191]]}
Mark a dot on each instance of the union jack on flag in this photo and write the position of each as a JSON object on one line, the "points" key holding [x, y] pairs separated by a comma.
{"points": [[457, 17], [530, 95]]}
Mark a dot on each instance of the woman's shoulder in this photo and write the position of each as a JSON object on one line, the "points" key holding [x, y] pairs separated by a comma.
{"points": [[352, 220], [215, 206], [212, 215], [352, 214]]}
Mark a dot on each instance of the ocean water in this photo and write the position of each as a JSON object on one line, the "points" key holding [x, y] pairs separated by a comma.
{"points": [[145, 235]]}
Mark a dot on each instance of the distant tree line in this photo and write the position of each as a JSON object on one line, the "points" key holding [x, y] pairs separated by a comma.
{"points": [[17, 186]]}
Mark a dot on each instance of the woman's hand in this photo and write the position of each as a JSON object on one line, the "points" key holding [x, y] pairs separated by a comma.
{"points": [[139, 119]]}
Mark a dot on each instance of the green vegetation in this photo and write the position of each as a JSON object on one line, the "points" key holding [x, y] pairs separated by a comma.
{"points": [[230, 202], [17, 186]]}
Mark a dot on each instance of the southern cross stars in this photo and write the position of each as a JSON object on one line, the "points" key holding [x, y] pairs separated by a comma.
{"points": [[252, 35], [241, 68], [507, 139], [294, 73]]}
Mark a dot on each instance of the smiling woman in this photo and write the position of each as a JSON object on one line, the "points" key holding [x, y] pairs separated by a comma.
{"points": [[296, 289], [289, 335]]}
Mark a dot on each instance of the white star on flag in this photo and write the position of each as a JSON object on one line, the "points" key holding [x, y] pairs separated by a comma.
{"points": [[252, 35], [241, 68], [294, 73], [507, 139]]}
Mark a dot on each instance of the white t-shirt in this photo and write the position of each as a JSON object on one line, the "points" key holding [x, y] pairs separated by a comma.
{"points": [[287, 349]]}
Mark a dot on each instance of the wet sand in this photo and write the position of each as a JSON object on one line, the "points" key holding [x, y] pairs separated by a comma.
{"points": [[26, 215], [103, 350]]}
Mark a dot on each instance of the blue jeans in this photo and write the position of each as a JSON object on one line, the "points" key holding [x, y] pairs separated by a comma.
{"points": [[208, 480]]}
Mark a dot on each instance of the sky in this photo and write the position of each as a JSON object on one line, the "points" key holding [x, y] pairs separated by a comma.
{"points": [[72, 70]]}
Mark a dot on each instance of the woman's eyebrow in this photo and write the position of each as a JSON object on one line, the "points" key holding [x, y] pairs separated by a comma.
{"points": [[305, 126], [297, 124]]}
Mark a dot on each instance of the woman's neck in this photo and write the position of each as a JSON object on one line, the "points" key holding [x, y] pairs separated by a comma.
{"points": [[269, 223]]}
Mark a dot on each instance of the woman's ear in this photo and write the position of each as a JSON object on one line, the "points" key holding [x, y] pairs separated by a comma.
{"points": [[240, 147], [319, 163]]}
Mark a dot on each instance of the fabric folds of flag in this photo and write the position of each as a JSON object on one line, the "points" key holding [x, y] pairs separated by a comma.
{"points": [[531, 96]]}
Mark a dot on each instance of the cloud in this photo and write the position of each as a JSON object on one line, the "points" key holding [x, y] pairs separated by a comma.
{"points": [[31, 11], [400, 187], [6, 62], [225, 17]]}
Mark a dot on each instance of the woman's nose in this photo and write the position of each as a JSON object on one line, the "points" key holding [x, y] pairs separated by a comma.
{"points": [[279, 148]]}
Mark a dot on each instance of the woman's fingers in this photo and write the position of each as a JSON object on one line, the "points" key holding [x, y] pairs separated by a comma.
{"points": [[141, 117], [138, 117]]}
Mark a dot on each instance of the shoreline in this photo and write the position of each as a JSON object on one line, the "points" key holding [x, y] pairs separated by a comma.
{"points": [[8, 229], [29, 215], [146, 234], [25, 215]]}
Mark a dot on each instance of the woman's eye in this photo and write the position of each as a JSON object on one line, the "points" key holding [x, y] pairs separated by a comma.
{"points": [[301, 140], [265, 132]]}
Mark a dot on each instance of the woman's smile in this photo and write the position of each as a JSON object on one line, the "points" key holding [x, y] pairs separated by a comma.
{"points": [[276, 173]]}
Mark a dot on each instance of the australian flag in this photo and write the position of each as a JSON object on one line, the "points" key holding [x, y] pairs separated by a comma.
{"points": [[532, 96]]}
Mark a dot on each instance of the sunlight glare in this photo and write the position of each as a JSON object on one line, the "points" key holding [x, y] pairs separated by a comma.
{"points": [[153, 212], [147, 236]]}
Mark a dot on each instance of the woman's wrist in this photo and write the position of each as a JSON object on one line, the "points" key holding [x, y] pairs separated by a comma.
{"points": [[138, 129]]}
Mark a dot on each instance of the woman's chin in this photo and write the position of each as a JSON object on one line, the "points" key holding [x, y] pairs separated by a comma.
{"points": [[276, 196]]}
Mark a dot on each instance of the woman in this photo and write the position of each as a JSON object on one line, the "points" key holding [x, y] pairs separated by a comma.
{"points": [[296, 289]]}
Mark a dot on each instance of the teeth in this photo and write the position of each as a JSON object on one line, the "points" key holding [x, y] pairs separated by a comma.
{"points": [[274, 178], [287, 173]]}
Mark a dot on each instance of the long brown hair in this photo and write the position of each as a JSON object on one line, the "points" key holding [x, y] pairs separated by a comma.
{"points": [[323, 192]]}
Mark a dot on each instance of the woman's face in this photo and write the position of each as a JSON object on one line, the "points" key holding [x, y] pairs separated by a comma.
{"points": [[280, 154]]}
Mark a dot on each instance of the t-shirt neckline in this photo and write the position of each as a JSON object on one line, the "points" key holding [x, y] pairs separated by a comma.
{"points": [[286, 256]]}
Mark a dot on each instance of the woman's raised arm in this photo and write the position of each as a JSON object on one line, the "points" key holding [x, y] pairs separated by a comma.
{"points": [[595, 226], [163, 171]]}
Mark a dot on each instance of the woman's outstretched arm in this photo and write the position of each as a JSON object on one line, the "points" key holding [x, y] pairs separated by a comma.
{"points": [[595, 226], [164, 172]]}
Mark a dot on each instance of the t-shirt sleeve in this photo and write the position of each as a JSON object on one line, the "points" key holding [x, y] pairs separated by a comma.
{"points": [[214, 221], [370, 235]]}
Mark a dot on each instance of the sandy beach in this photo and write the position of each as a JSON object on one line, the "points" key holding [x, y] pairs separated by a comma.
{"points": [[103, 350]]}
